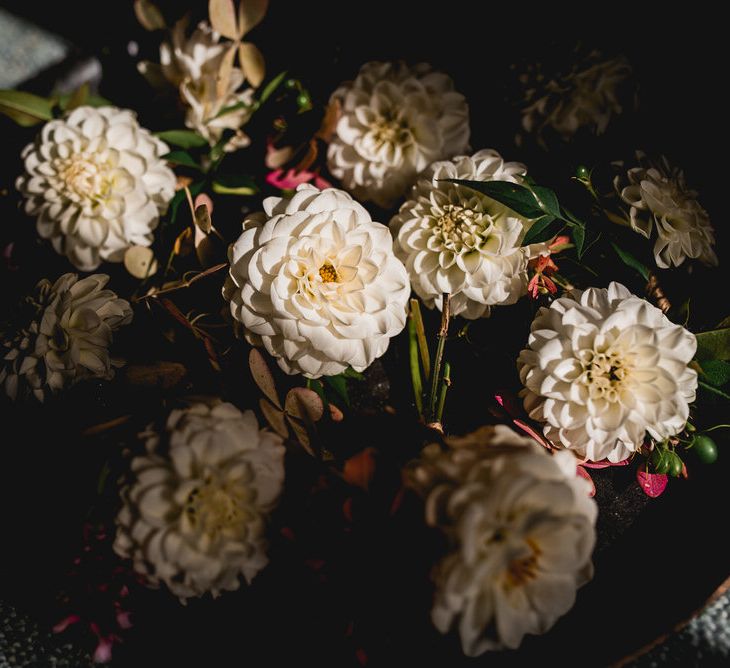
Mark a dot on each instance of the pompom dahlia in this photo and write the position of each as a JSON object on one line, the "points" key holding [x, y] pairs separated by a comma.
{"points": [[521, 524], [603, 368], [62, 336], [195, 514], [587, 96], [193, 65], [395, 121], [453, 239], [659, 198], [96, 183], [315, 281]]}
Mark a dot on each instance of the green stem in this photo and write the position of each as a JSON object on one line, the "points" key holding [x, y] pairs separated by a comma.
{"points": [[415, 370], [446, 383], [714, 390], [421, 334], [438, 359], [717, 426]]}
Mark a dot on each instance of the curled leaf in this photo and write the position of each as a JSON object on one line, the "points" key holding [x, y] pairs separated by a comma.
{"points": [[183, 243], [222, 15], [652, 484], [140, 262], [360, 468], [275, 417], [252, 63], [262, 376]]}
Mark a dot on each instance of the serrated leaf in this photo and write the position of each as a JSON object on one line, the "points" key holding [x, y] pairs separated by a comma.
{"points": [[630, 261], [275, 417], [716, 372], [140, 262], [250, 14], [222, 15], [182, 138], [148, 15], [713, 345], [652, 484], [541, 230], [262, 377], [252, 63], [24, 108], [513, 195], [181, 158]]}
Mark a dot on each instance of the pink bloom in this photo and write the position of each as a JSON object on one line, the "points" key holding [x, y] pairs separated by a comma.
{"points": [[290, 179]]}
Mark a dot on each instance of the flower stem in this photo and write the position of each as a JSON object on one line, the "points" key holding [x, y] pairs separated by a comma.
{"points": [[714, 390], [421, 334], [717, 426], [438, 359], [445, 385], [415, 370]]}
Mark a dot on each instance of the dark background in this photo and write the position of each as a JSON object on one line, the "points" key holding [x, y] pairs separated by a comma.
{"points": [[671, 557]]}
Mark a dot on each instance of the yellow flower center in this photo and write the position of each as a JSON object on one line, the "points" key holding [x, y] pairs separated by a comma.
{"points": [[215, 508], [328, 273], [389, 130], [604, 373], [523, 569]]}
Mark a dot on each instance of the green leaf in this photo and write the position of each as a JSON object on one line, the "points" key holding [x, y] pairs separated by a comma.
{"points": [[513, 195], [629, 260], [541, 230], [271, 87], [717, 372], [234, 184], [338, 384], [547, 201], [579, 237], [181, 158], [713, 345], [183, 138], [714, 390], [24, 108], [349, 372], [179, 198]]}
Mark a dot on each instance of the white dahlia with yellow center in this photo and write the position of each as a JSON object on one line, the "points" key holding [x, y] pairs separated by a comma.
{"points": [[456, 240], [521, 528], [195, 514], [61, 335], [97, 184], [315, 281], [395, 120], [604, 368], [660, 199]]}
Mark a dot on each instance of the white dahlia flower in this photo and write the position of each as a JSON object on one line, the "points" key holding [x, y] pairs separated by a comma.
{"points": [[395, 121], [659, 198], [195, 513], [193, 65], [521, 525], [603, 368], [61, 336], [587, 96], [96, 183], [315, 281], [454, 239]]}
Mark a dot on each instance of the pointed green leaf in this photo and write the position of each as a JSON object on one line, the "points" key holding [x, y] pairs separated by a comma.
{"points": [[541, 230], [181, 158], [24, 108], [713, 345], [182, 138], [630, 261]]}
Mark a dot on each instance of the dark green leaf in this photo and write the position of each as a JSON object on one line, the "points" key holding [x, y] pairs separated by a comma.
{"points": [[271, 87], [547, 201], [579, 237], [338, 384], [183, 138], [351, 373], [181, 158], [629, 260], [24, 108], [541, 230], [713, 345], [518, 198], [716, 372]]}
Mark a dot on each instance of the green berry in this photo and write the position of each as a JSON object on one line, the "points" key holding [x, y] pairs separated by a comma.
{"points": [[583, 173], [705, 448], [675, 465], [291, 84], [661, 460], [303, 100]]}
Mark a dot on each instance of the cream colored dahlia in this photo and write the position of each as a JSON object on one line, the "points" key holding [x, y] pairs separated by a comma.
{"points": [[194, 516], [603, 368], [588, 96], [61, 336], [395, 121], [521, 527], [315, 281], [659, 198], [97, 184], [456, 240], [193, 65]]}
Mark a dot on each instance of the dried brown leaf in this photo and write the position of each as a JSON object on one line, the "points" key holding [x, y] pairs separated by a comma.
{"points": [[183, 244], [164, 375], [252, 63], [140, 261], [305, 404], [106, 426], [275, 417], [222, 15], [224, 72], [250, 14], [148, 15], [202, 218], [262, 376], [301, 433]]}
